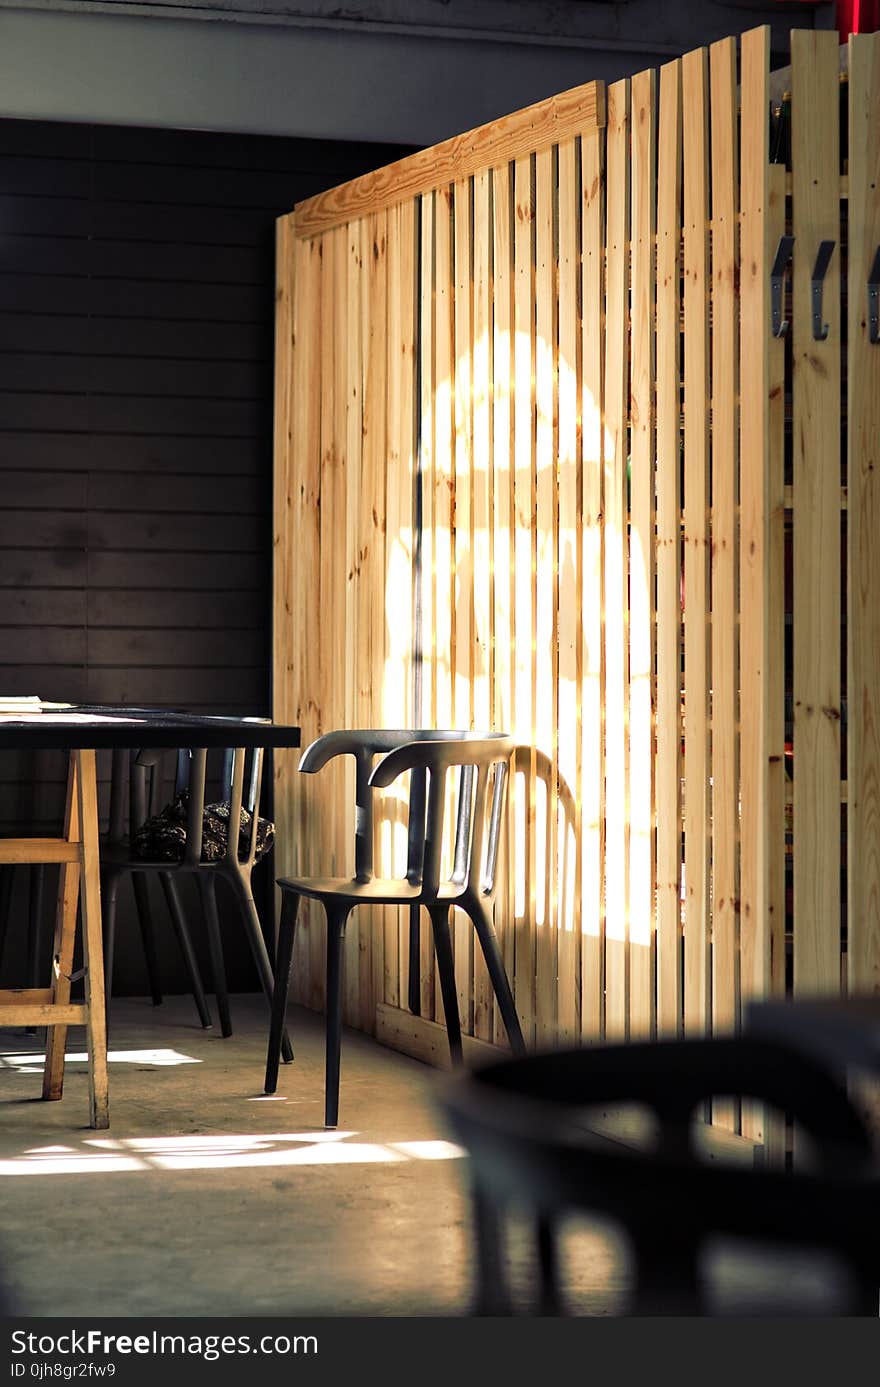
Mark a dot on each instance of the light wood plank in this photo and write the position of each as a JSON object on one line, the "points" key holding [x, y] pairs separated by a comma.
{"points": [[524, 564], [512, 137], [568, 557], [617, 977], [642, 558], [694, 81], [93, 957], [445, 498], [546, 635], [503, 527], [52, 1014], [426, 656], [283, 550], [755, 253], [725, 343], [863, 476], [591, 750], [354, 394], [483, 575], [46, 850], [64, 940], [816, 522], [668, 753], [462, 615]]}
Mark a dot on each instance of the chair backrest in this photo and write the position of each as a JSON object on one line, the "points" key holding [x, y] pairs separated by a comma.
{"points": [[429, 754], [240, 780], [525, 1124]]}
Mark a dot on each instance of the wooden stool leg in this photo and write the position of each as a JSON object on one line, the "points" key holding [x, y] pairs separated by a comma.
{"points": [[65, 937], [93, 957]]}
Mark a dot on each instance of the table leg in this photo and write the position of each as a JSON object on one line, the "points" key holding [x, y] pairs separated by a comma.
{"points": [[65, 937], [93, 955]]}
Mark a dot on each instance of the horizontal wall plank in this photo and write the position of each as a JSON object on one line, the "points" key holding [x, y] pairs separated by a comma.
{"points": [[141, 609], [172, 649], [109, 338], [124, 298], [132, 376], [118, 452], [121, 414], [97, 255]]}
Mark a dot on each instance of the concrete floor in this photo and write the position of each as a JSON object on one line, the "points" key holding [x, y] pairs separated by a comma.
{"points": [[205, 1198]]}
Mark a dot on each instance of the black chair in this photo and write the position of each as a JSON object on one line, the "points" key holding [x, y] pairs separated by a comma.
{"points": [[429, 755], [235, 862], [525, 1125]]}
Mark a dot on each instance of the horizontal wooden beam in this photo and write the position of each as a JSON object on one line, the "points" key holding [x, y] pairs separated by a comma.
{"points": [[34, 1014], [579, 111], [13, 996], [38, 850], [426, 1040]]}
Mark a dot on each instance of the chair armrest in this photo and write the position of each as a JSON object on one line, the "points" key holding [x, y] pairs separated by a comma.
{"points": [[357, 742], [479, 750]]}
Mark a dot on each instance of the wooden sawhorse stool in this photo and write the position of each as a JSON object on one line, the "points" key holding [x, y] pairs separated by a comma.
{"points": [[78, 853]]}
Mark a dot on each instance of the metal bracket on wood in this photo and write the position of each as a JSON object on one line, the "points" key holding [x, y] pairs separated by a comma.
{"points": [[777, 278], [823, 260], [874, 301]]}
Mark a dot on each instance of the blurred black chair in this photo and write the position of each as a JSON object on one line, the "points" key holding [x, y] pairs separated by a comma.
{"points": [[525, 1125], [429, 755], [166, 842]]}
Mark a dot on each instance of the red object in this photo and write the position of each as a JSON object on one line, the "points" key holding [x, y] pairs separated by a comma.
{"points": [[857, 17]]}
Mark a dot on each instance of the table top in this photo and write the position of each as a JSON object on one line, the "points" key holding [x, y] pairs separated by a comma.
{"points": [[85, 726]]}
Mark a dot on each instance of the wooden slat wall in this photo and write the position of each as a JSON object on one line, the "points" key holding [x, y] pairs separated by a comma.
{"points": [[597, 411]]}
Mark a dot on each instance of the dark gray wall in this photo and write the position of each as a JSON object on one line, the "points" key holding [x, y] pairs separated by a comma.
{"points": [[136, 374]]}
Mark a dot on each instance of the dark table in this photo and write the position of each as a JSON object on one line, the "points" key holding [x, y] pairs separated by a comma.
{"points": [[82, 730]]}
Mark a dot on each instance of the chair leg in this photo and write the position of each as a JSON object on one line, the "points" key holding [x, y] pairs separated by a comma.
{"points": [[415, 989], [207, 887], [498, 977], [254, 930], [148, 935], [7, 880], [492, 1296], [336, 918], [283, 961], [178, 920], [35, 929], [446, 968], [109, 893]]}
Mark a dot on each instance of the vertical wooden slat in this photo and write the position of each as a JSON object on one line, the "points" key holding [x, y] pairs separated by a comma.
{"points": [[591, 751], [396, 694], [462, 627], [642, 559], [283, 547], [523, 848], [568, 707], [463, 581], [755, 252], [863, 484], [616, 518], [503, 519], [427, 419], [406, 427], [668, 404], [305, 490], [546, 645], [694, 81], [444, 478], [816, 517], [483, 578], [725, 787], [354, 441]]}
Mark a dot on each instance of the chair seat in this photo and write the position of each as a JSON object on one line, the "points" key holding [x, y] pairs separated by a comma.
{"points": [[378, 891]]}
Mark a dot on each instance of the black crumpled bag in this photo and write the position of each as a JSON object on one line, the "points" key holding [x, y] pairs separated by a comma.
{"points": [[162, 838]]}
